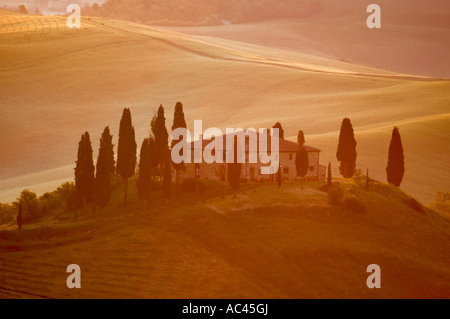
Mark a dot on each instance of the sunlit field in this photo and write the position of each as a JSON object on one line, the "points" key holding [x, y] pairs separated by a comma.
{"points": [[206, 241], [52, 75]]}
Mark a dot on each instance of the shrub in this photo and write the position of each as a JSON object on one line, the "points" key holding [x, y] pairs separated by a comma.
{"points": [[442, 203], [48, 202], [191, 185], [353, 204], [335, 195], [23, 9], [414, 204], [358, 175], [156, 186], [388, 191], [30, 205], [8, 213], [68, 196], [116, 181]]}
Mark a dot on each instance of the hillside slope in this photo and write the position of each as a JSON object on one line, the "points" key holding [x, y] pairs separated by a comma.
{"points": [[202, 12], [268, 243], [414, 37], [57, 83]]}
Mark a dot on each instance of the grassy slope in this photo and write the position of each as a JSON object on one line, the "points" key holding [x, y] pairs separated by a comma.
{"points": [[268, 243], [413, 38], [51, 76]]}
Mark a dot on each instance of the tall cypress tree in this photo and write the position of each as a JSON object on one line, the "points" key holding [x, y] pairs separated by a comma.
{"points": [[395, 168], [153, 157], [159, 130], [108, 150], [144, 181], [329, 177], [167, 178], [279, 176], [300, 138], [84, 170], [302, 163], [346, 152], [178, 117], [367, 180], [126, 150], [105, 169], [20, 216], [178, 122], [301, 157], [234, 170]]}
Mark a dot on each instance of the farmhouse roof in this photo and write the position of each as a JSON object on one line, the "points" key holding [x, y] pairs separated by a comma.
{"points": [[284, 145]]}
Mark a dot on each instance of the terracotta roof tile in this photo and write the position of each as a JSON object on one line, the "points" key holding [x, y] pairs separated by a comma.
{"points": [[284, 145]]}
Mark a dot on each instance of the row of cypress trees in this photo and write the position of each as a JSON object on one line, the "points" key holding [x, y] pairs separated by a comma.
{"points": [[94, 183], [155, 152], [346, 154]]}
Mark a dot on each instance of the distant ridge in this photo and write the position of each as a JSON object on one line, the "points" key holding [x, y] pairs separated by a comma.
{"points": [[202, 12]]}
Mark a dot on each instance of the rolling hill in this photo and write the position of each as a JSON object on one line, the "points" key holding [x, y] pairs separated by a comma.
{"points": [[414, 37], [266, 243], [201, 12], [57, 83]]}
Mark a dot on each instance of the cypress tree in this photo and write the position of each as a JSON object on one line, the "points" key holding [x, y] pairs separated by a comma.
{"points": [[395, 168], [159, 130], [178, 122], [109, 150], [19, 216], [279, 176], [144, 181], [302, 163], [301, 157], [346, 152], [178, 117], [280, 130], [126, 150], [153, 157], [300, 138], [234, 170], [167, 178], [367, 180], [329, 177], [84, 170], [105, 169]]}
